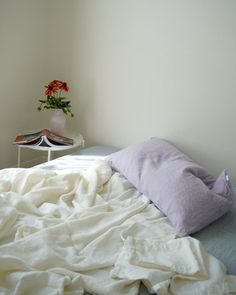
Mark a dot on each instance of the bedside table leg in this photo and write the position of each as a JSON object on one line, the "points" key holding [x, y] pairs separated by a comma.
{"points": [[49, 154], [18, 156]]}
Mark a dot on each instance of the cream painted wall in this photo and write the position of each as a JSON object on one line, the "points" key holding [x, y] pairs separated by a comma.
{"points": [[136, 68], [141, 68], [24, 70]]}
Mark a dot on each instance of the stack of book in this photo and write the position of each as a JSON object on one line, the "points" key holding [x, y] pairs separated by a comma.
{"points": [[43, 138]]}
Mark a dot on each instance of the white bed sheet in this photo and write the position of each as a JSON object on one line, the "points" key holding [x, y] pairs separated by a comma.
{"points": [[67, 231]]}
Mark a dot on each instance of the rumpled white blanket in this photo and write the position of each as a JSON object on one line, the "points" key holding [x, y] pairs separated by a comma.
{"points": [[63, 233]]}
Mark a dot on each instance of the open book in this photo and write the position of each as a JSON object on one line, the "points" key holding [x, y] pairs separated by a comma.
{"points": [[43, 138]]}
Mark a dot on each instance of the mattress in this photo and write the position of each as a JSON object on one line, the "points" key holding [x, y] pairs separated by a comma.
{"points": [[219, 238], [81, 159]]}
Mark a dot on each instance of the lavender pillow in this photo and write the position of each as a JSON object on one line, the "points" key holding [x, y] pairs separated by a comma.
{"points": [[185, 192]]}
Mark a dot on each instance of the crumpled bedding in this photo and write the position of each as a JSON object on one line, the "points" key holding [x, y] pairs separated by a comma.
{"points": [[69, 232]]}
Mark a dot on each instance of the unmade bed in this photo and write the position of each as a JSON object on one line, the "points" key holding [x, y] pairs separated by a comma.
{"points": [[219, 238], [73, 225]]}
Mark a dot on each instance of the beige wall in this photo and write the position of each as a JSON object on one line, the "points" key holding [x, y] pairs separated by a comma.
{"points": [[23, 44], [154, 68], [140, 68]]}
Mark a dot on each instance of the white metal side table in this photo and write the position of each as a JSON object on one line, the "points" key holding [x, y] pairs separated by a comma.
{"points": [[78, 141]]}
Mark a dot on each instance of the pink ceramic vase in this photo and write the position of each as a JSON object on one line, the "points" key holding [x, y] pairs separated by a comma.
{"points": [[57, 121]]}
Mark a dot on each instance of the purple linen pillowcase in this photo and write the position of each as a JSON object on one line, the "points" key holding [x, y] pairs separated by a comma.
{"points": [[184, 191]]}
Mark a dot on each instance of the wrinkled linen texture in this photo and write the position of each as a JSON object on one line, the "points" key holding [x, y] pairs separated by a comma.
{"points": [[72, 231]]}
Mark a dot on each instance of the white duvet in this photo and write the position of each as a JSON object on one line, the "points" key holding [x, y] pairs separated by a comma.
{"points": [[70, 232]]}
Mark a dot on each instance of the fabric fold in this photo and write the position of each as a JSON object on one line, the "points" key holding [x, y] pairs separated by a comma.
{"points": [[176, 266]]}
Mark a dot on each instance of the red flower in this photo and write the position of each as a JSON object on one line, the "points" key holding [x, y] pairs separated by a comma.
{"points": [[51, 89], [54, 86], [64, 86]]}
